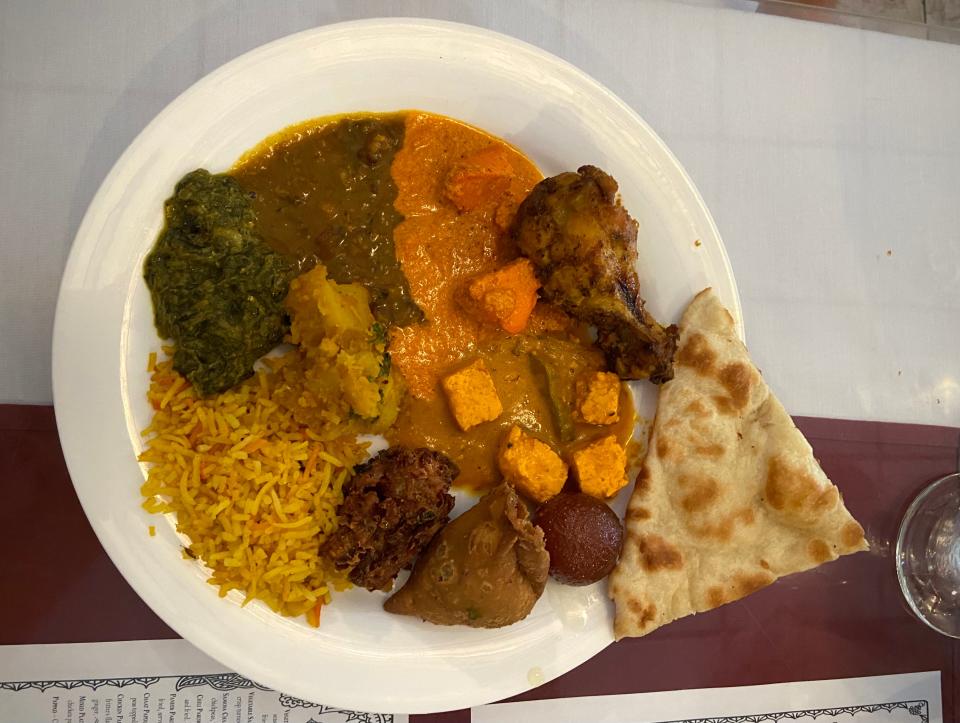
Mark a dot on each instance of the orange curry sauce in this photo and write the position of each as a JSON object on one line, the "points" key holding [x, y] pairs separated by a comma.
{"points": [[440, 249]]}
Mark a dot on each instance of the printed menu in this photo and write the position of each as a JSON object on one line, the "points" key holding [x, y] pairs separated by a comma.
{"points": [[148, 681], [170, 681], [910, 698]]}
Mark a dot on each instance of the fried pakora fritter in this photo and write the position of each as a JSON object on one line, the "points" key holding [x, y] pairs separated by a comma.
{"points": [[392, 507]]}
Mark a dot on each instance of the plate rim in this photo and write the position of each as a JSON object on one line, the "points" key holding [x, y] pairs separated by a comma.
{"points": [[211, 645]]}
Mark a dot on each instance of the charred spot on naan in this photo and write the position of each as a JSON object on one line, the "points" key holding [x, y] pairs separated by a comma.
{"points": [[738, 520], [642, 485], [723, 530], [711, 451], [696, 498], [724, 405], [852, 535], [666, 450], [715, 597], [637, 514], [820, 551], [645, 614], [699, 493], [658, 554], [745, 584], [736, 378], [663, 448], [740, 586], [693, 428], [738, 381], [697, 354], [796, 495]]}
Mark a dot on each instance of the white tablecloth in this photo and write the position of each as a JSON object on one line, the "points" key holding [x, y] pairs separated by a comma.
{"points": [[830, 158]]}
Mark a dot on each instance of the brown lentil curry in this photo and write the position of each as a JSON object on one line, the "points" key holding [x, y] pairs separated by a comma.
{"points": [[366, 196], [323, 193]]}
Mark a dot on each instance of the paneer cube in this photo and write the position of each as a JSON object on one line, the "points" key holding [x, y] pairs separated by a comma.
{"points": [[472, 395], [531, 465], [598, 398], [601, 467]]}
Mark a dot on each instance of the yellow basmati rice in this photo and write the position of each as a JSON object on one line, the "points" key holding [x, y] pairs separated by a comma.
{"points": [[255, 491]]}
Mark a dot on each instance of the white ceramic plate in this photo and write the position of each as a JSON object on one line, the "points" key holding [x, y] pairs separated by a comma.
{"points": [[360, 657]]}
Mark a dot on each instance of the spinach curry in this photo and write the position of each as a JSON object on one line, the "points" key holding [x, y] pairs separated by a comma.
{"points": [[314, 193], [366, 197], [217, 288]]}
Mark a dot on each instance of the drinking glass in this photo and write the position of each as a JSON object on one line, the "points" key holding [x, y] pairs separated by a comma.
{"points": [[928, 555]]}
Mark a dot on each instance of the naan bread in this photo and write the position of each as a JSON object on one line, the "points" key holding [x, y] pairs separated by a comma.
{"points": [[730, 497]]}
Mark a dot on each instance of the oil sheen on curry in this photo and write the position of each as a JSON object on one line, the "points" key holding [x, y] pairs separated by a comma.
{"points": [[417, 207], [431, 288], [409, 277]]}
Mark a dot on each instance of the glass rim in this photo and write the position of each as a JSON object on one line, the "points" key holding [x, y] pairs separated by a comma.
{"points": [[908, 517]]}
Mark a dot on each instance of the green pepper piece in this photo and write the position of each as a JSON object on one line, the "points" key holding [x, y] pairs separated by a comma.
{"points": [[546, 374]]}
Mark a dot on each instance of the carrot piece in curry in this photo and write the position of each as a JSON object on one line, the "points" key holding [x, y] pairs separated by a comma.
{"points": [[479, 179], [506, 297]]}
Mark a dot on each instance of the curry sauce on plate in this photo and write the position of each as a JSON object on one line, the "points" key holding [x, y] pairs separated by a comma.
{"points": [[323, 193], [410, 312]]}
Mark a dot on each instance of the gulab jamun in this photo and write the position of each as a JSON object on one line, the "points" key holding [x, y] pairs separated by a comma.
{"points": [[583, 536]]}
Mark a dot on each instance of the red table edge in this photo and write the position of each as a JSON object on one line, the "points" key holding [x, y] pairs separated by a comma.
{"points": [[41, 418]]}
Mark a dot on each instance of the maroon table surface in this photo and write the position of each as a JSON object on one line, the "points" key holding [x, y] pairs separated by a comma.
{"points": [[845, 619]]}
